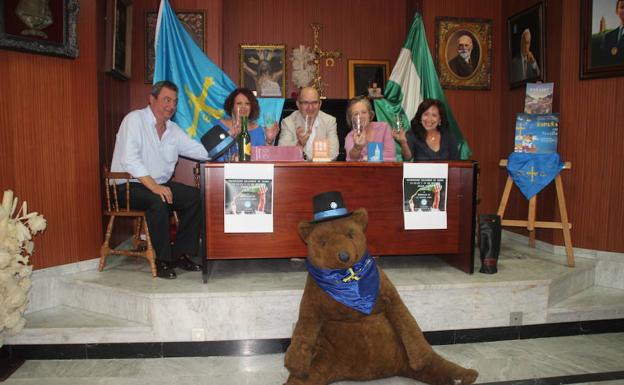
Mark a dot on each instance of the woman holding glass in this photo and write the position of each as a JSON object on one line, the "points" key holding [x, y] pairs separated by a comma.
{"points": [[429, 137], [364, 131], [242, 102]]}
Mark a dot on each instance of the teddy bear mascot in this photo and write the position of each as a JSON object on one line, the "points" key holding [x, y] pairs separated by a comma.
{"points": [[352, 323]]}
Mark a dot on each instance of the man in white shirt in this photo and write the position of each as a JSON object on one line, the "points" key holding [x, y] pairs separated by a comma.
{"points": [[147, 146], [308, 123]]}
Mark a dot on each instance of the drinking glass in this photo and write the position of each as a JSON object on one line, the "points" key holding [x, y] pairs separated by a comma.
{"points": [[398, 122]]}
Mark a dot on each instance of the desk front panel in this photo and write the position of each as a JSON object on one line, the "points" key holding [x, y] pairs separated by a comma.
{"points": [[374, 186]]}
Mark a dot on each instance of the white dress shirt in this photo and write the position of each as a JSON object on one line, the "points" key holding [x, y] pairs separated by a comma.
{"points": [[140, 152]]}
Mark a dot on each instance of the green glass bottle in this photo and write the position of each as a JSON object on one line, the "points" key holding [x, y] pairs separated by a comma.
{"points": [[244, 142]]}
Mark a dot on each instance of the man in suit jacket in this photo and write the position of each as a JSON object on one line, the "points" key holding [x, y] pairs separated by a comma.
{"points": [[462, 64], [308, 123], [524, 66], [613, 42]]}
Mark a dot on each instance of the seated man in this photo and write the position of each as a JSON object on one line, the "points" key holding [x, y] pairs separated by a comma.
{"points": [[308, 123], [147, 146]]}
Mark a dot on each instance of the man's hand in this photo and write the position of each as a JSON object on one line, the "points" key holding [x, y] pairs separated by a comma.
{"points": [[530, 57], [302, 135], [164, 192], [270, 133]]}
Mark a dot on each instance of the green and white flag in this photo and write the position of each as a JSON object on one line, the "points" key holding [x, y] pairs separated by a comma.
{"points": [[414, 79]]}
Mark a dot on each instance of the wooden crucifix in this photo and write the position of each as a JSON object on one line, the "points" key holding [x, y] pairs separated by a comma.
{"points": [[319, 54]]}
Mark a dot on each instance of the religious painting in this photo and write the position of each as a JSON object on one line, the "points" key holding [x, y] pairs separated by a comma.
{"points": [[602, 38], [118, 54], [527, 46], [368, 78], [464, 53], [263, 69], [40, 26], [192, 21]]}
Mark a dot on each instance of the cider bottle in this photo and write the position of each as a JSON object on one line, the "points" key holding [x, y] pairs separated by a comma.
{"points": [[244, 142]]}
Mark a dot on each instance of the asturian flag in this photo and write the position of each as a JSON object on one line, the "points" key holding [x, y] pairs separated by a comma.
{"points": [[532, 172], [203, 87], [413, 79]]}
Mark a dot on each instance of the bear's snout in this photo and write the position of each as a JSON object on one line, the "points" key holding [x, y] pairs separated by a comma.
{"points": [[343, 256]]}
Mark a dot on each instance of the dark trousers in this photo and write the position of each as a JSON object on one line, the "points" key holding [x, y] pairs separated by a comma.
{"points": [[186, 203]]}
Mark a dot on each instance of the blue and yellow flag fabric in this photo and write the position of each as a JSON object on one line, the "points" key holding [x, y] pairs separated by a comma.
{"points": [[532, 172], [203, 87]]}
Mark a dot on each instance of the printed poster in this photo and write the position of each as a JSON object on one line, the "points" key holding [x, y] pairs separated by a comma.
{"points": [[248, 198], [424, 195]]}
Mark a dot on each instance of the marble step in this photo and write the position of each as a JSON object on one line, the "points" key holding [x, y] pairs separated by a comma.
{"points": [[594, 303], [67, 325]]}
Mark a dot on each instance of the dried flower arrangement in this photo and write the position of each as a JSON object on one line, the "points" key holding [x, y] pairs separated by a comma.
{"points": [[16, 246]]}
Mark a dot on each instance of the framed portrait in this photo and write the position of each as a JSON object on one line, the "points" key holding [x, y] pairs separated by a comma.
{"points": [[464, 53], [118, 56], [368, 77], [527, 46], [40, 26], [602, 52], [192, 21], [263, 69]]}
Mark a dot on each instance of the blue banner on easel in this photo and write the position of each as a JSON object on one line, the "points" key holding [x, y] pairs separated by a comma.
{"points": [[532, 172]]}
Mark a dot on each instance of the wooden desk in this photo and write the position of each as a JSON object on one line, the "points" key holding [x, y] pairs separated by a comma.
{"points": [[375, 186]]}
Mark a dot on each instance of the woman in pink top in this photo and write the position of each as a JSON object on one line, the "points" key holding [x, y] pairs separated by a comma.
{"points": [[359, 117]]}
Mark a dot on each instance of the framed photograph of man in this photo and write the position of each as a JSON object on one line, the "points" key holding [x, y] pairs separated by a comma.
{"points": [[602, 38], [368, 77], [193, 23], [527, 46], [464, 52], [263, 69], [40, 26]]}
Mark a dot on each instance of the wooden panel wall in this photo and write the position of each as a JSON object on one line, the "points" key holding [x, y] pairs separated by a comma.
{"points": [[360, 29], [49, 142], [591, 138]]}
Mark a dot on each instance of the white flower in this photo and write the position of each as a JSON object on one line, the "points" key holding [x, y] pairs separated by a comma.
{"points": [[36, 223], [29, 246], [21, 232], [16, 230], [5, 259]]}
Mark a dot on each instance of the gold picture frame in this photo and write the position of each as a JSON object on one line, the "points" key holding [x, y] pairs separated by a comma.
{"points": [[362, 75], [263, 69], [456, 72]]}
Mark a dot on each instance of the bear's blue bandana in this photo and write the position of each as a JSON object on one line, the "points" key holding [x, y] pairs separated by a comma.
{"points": [[356, 287]]}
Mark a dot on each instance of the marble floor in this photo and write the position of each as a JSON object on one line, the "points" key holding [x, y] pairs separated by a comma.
{"points": [[557, 360]]}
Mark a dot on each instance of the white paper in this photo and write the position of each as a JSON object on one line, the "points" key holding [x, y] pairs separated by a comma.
{"points": [[248, 198], [425, 186]]}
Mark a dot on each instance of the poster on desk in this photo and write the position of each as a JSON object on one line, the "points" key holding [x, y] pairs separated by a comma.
{"points": [[424, 195], [248, 198]]}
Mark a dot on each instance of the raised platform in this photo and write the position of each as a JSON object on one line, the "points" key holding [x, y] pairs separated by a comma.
{"points": [[259, 299]]}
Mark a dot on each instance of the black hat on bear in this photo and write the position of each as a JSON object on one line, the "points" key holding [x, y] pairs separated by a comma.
{"points": [[217, 141], [327, 206]]}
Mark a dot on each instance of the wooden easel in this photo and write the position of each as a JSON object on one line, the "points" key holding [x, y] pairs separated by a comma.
{"points": [[531, 224]]}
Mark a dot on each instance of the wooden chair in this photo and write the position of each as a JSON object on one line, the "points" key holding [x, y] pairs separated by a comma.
{"points": [[141, 248]]}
